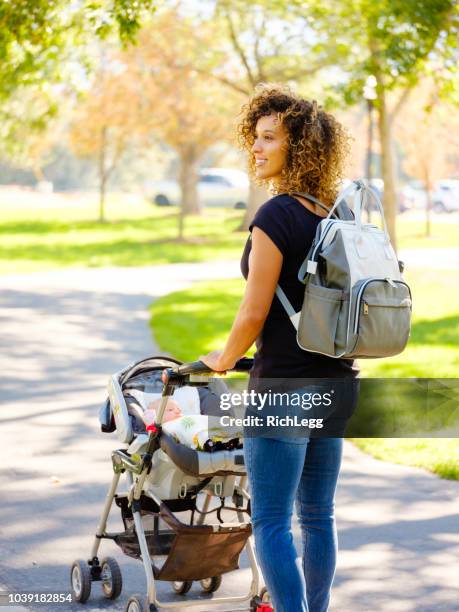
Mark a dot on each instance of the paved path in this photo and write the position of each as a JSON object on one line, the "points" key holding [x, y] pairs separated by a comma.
{"points": [[63, 332]]}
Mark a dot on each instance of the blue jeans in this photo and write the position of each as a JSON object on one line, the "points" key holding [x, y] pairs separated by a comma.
{"points": [[281, 471]]}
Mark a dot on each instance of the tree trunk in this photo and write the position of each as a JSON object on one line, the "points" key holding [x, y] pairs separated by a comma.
{"points": [[181, 224], [188, 180], [369, 160], [102, 175], [384, 127], [257, 195], [428, 211], [38, 172], [428, 189]]}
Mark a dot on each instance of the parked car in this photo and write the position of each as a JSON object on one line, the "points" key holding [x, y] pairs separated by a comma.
{"points": [[445, 197], [217, 187], [404, 202], [377, 185], [412, 196]]}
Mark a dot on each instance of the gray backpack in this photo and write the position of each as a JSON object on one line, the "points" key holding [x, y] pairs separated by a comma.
{"points": [[356, 303]]}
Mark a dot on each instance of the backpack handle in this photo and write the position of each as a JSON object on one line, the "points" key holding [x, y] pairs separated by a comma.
{"points": [[367, 191], [360, 189], [355, 186]]}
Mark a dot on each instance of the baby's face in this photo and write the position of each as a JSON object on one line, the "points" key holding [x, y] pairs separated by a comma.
{"points": [[171, 412]]}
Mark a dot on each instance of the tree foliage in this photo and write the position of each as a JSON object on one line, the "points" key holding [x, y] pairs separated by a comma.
{"points": [[44, 49], [105, 124], [176, 98], [428, 132], [37, 37], [395, 41], [268, 42]]}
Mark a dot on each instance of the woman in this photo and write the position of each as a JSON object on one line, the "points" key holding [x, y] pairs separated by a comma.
{"points": [[294, 146]]}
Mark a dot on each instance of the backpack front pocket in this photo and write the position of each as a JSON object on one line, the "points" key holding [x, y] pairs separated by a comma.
{"points": [[381, 317], [319, 319]]}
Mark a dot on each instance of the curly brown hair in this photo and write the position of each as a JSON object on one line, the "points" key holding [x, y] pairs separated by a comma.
{"points": [[318, 144]]}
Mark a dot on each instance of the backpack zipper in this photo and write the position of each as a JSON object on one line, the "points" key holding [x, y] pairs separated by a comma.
{"points": [[362, 289]]}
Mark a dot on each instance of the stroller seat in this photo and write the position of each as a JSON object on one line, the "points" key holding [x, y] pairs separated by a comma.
{"points": [[200, 463], [191, 461], [194, 462], [176, 467]]}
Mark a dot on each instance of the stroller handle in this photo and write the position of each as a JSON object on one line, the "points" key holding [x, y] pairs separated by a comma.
{"points": [[183, 374], [198, 367]]}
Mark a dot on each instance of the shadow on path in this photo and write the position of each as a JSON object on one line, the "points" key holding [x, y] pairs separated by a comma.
{"points": [[398, 526]]}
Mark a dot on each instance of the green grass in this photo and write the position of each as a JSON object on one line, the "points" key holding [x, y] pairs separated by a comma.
{"points": [[148, 237], [40, 232], [411, 233], [21, 205], [195, 321], [192, 322], [209, 309], [438, 456], [433, 349]]}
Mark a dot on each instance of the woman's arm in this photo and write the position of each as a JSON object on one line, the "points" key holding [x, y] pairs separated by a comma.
{"points": [[265, 263]]}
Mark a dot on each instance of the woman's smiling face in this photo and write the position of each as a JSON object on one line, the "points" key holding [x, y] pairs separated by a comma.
{"points": [[269, 148]]}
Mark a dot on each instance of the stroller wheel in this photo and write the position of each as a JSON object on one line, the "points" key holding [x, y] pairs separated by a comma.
{"points": [[135, 604], [80, 580], [181, 588], [112, 582], [210, 585]]}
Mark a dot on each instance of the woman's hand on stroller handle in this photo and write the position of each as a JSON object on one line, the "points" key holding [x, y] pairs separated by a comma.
{"points": [[213, 361], [180, 374], [202, 367]]}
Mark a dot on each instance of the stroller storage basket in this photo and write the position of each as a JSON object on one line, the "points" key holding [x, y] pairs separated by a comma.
{"points": [[159, 541], [219, 545]]}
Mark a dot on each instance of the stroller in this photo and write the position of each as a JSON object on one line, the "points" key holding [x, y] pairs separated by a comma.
{"points": [[165, 477]]}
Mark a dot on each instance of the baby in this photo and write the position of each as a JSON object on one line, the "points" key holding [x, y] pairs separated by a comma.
{"points": [[171, 412], [192, 430]]}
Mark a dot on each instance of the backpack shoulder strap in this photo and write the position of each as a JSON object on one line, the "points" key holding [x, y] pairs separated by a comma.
{"points": [[314, 200], [342, 211], [311, 198], [292, 314]]}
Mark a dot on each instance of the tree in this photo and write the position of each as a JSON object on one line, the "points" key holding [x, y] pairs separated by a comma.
{"points": [[26, 142], [40, 43], [393, 40], [428, 133], [269, 44], [34, 35], [178, 103], [104, 125]]}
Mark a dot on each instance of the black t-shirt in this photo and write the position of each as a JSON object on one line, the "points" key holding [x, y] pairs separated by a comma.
{"points": [[292, 227]]}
